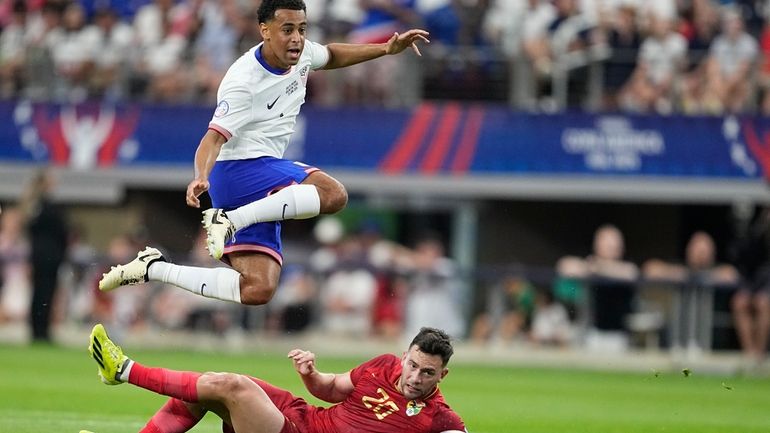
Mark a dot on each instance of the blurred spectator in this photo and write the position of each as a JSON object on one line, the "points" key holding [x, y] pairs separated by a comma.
{"points": [[73, 53], [699, 270], [15, 287], [113, 41], [380, 82], [550, 321], [162, 30], [520, 27], [763, 73], [729, 71], [751, 304], [621, 34], [48, 235], [700, 31], [247, 30], [659, 65], [12, 53], [78, 273], [565, 28], [434, 290], [347, 295], [503, 25], [456, 23], [217, 25], [388, 309], [292, 309], [700, 263], [700, 26], [510, 305], [43, 31], [610, 282], [383, 258]]}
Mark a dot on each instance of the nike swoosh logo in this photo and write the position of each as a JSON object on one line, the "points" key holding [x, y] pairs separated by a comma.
{"points": [[203, 288], [283, 214], [215, 218], [145, 257], [270, 106]]}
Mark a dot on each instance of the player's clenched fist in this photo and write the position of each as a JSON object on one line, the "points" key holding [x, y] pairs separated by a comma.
{"points": [[194, 189], [304, 361]]}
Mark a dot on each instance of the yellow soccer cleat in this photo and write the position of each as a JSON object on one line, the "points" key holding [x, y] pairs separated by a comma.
{"points": [[112, 362], [85, 431]]}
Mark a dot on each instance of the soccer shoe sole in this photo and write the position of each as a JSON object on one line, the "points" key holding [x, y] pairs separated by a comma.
{"points": [[133, 272], [212, 220]]}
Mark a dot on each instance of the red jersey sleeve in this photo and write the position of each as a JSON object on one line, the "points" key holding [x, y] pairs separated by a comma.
{"points": [[374, 363], [447, 420]]}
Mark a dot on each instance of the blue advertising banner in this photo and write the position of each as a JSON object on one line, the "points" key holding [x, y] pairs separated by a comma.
{"points": [[430, 139]]}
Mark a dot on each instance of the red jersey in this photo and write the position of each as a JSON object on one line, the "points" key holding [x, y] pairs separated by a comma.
{"points": [[376, 406]]}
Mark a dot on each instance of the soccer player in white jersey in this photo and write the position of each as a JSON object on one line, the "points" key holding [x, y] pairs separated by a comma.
{"points": [[239, 161]]}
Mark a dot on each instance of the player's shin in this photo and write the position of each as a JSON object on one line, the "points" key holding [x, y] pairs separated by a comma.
{"points": [[181, 385], [173, 417], [217, 283]]}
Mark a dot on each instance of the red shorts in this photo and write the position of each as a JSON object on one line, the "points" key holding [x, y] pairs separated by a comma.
{"points": [[294, 409]]}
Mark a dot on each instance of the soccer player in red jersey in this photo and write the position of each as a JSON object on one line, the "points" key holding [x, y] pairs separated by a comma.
{"points": [[386, 394]]}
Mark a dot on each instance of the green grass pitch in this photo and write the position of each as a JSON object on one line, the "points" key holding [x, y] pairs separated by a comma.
{"points": [[50, 389]]}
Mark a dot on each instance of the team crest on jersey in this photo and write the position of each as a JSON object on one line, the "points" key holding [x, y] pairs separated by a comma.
{"points": [[413, 408], [222, 109]]}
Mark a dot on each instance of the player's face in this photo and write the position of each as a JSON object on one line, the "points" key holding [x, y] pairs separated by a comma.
{"points": [[420, 374], [284, 38]]}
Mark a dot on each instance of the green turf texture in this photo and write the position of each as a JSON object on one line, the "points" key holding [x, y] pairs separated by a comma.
{"points": [[50, 389]]}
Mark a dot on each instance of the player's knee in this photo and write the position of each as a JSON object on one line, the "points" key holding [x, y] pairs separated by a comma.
{"points": [[334, 197], [341, 199], [229, 385], [257, 291]]}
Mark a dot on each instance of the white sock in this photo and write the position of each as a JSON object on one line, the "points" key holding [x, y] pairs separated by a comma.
{"points": [[217, 283], [293, 202], [126, 371]]}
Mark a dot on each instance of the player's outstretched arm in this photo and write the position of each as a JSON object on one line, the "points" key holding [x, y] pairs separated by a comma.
{"points": [[329, 387], [342, 55], [205, 157]]}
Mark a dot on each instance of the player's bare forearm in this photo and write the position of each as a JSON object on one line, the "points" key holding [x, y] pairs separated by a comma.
{"points": [[342, 55], [205, 158], [331, 388], [207, 153], [324, 387]]}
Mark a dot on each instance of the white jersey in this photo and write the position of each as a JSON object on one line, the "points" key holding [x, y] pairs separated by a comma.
{"points": [[258, 105]]}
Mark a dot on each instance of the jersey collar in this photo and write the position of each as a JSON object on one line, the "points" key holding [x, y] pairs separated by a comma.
{"points": [[263, 62]]}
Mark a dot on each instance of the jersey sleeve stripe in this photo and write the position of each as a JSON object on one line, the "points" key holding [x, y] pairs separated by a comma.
{"points": [[222, 131]]}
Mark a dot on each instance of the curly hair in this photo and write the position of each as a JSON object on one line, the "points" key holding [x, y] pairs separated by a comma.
{"points": [[434, 342], [267, 8]]}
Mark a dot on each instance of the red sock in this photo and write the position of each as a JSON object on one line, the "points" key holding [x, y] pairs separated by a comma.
{"points": [[173, 417], [176, 384]]}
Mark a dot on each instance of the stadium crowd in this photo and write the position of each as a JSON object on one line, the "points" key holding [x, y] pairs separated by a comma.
{"points": [[697, 56], [354, 282], [664, 56]]}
